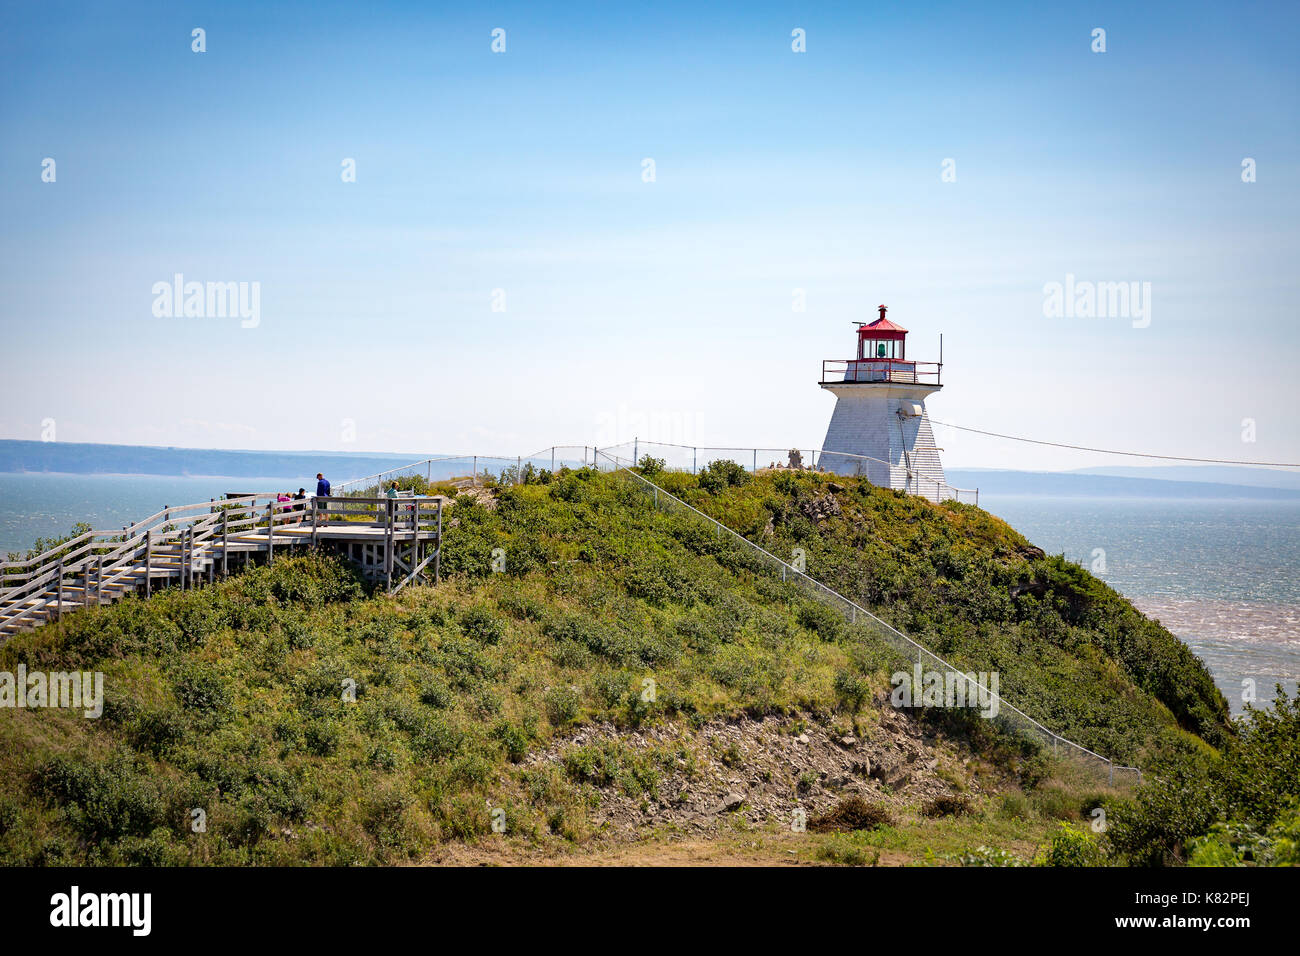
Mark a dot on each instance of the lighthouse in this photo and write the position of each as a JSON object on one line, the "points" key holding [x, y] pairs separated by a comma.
{"points": [[879, 428]]}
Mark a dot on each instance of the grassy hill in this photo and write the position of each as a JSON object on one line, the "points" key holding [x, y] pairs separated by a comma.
{"points": [[622, 665]]}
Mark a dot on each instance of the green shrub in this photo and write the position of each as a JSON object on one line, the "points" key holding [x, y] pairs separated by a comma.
{"points": [[1071, 846], [481, 624], [563, 705], [851, 690], [720, 475]]}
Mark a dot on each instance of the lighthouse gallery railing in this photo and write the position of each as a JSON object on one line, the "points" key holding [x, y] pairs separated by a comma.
{"points": [[895, 371]]}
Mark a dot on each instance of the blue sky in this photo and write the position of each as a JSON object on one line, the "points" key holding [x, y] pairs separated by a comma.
{"points": [[662, 308]]}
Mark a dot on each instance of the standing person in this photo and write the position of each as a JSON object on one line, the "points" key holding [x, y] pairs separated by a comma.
{"points": [[392, 498], [323, 491]]}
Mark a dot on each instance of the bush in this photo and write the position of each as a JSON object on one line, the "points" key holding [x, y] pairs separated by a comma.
{"points": [[851, 690], [562, 705], [947, 805], [1071, 846], [652, 466], [103, 801], [482, 625], [721, 475], [851, 813]]}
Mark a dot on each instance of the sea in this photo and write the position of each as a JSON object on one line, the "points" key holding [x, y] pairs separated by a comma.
{"points": [[1221, 574]]}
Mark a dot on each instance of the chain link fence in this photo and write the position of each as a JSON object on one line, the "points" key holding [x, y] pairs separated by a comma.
{"points": [[695, 459]]}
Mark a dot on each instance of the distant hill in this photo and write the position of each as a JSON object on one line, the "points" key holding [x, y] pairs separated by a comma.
{"points": [[93, 459], [1216, 474], [1080, 485]]}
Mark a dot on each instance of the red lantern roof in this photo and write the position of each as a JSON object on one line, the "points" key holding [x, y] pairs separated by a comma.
{"points": [[882, 328]]}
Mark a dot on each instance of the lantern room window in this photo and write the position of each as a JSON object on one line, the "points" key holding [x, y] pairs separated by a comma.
{"points": [[880, 349]]}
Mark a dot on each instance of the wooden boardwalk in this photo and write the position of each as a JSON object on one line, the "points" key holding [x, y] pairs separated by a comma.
{"points": [[395, 542]]}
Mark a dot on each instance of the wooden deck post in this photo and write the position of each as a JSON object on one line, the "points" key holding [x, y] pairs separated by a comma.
{"points": [[437, 555], [388, 548], [270, 532], [225, 542], [85, 584], [58, 608], [99, 579], [314, 512], [148, 563]]}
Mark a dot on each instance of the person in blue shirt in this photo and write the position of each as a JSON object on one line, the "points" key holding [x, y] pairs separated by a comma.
{"points": [[323, 491]]}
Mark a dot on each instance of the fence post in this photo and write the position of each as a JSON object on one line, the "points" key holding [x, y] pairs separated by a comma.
{"points": [[475, 477], [85, 584], [756, 461], [225, 541], [99, 580], [270, 533], [519, 470], [314, 518], [694, 454], [552, 458], [636, 450], [148, 563], [58, 608]]}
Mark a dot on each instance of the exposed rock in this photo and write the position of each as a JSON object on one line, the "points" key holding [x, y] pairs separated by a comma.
{"points": [[700, 778], [732, 801], [820, 508]]}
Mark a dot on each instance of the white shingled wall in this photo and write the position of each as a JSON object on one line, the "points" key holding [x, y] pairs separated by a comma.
{"points": [[865, 422]]}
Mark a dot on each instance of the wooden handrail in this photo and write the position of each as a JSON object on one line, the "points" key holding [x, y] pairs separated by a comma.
{"points": [[177, 539]]}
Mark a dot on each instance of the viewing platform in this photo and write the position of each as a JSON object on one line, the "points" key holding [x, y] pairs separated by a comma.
{"points": [[394, 541]]}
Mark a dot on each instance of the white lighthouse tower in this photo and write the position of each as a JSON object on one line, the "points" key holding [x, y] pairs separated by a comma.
{"points": [[879, 428]]}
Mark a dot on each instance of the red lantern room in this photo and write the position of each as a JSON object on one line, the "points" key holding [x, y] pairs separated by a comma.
{"points": [[882, 339], [882, 357]]}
